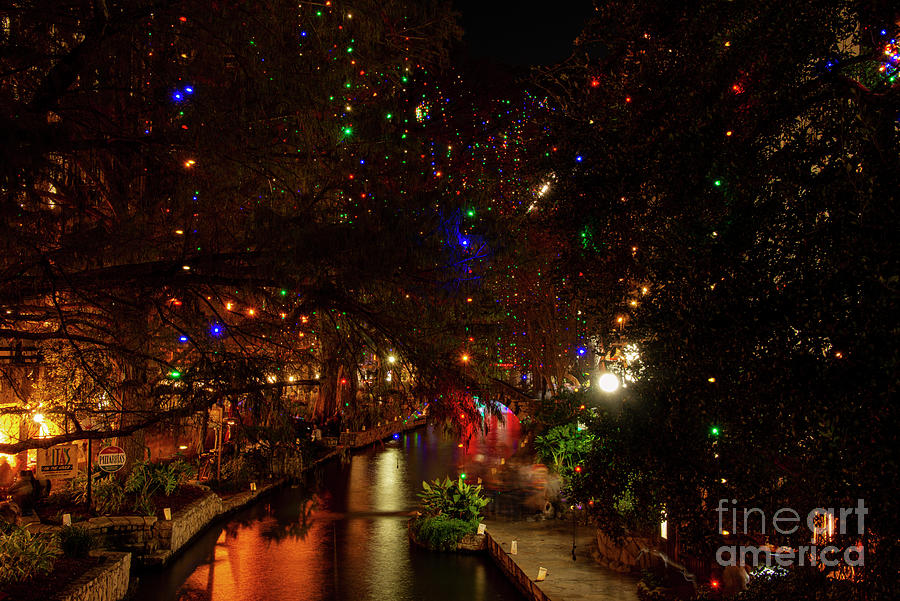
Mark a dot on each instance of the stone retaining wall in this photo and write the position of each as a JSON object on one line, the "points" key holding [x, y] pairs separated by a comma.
{"points": [[107, 582], [128, 532], [187, 522], [623, 556]]}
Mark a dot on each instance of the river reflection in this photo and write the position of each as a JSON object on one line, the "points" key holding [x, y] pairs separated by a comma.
{"points": [[343, 535]]}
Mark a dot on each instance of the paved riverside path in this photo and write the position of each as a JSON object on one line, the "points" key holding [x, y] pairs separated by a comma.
{"points": [[548, 544]]}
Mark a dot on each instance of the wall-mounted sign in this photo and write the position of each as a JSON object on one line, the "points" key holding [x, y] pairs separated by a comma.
{"points": [[58, 462], [111, 459]]}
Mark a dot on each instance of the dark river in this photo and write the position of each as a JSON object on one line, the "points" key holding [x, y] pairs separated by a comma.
{"points": [[342, 535]]}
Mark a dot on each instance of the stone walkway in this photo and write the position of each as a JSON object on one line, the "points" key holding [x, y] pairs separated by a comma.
{"points": [[548, 544]]}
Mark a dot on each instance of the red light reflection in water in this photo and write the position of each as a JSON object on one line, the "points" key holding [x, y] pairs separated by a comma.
{"points": [[349, 541]]}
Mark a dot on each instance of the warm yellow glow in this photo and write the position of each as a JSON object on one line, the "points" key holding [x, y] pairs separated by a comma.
{"points": [[465, 358], [8, 425], [608, 382], [189, 163], [391, 359]]}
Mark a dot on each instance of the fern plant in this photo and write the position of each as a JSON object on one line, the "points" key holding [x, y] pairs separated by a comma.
{"points": [[24, 556], [453, 499]]}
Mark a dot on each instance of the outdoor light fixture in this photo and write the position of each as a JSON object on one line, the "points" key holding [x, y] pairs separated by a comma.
{"points": [[391, 359], [608, 382]]}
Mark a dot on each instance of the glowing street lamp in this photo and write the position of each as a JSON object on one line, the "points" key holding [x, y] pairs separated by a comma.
{"points": [[608, 382]]}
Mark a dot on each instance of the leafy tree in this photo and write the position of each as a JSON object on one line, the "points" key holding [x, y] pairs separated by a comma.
{"points": [[739, 161], [198, 201]]}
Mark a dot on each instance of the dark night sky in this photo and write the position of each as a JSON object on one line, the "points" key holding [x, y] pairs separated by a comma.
{"points": [[522, 33]]}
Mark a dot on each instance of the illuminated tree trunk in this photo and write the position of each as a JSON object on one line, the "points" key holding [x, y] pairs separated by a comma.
{"points": [[338, 378], [134, 390]]}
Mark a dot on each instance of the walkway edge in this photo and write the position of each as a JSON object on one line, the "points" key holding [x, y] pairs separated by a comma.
{"points": [[513, 572]]}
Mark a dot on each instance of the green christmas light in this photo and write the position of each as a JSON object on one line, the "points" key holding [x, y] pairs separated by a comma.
{"points": [[714, 430], [174, 374], [284, 293]]}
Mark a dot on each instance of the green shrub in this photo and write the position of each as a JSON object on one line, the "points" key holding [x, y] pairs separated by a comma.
{"points": [[456, 500], [564, 447], [24, 556], [238, 472], [108, 496], [75, 541], [441, 532], [147, 479], [798, 583]]}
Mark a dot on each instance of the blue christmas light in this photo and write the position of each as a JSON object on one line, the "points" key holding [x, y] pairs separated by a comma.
{"points": [[182, 339], [189, 90], [579, 158], [177, 97], [581, 350], [396, 436], [215, 330]]}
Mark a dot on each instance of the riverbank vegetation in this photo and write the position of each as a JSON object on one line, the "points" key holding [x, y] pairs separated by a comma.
{"points": [[449, 511]]}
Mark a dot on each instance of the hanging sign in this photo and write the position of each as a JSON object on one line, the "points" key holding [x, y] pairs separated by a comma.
{"points": [[57, 462], [111, 459]]}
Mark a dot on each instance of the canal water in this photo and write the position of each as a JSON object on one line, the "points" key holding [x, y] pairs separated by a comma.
{"points": [[342, 535]]}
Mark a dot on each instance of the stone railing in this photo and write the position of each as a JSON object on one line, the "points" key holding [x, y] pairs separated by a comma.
{"points": [[106, 582]]}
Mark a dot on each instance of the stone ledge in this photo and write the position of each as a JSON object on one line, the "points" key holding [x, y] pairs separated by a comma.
{"points": [[243, 499], [107, 582]]}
